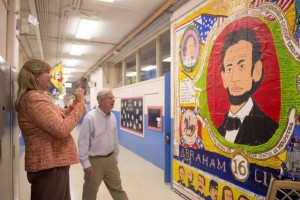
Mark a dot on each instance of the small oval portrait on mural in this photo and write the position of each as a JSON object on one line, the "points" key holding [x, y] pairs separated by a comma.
{"points": [[189, 49], [189, 127], [243, 83]]}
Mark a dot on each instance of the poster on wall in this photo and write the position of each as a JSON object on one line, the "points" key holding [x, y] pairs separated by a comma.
{"points": [[132, 115], [155, 118], [237, 86]]}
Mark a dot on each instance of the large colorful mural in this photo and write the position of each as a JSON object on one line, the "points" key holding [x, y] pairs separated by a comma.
{"points": [[236, 86]]}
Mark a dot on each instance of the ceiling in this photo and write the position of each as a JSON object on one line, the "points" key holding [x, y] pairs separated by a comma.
{"points": [[121, 25]]}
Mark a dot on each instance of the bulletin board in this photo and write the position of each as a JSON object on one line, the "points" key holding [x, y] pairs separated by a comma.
{"points": [[155, 118], [132, 119]]}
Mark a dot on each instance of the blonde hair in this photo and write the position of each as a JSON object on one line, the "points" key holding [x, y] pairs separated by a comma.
{"points": [[27, 78]]}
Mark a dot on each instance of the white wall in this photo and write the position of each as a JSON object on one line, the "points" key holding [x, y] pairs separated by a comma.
{"points": [[150, 145], [152, 92], [97, 78], [105, 77], [109, 76]]}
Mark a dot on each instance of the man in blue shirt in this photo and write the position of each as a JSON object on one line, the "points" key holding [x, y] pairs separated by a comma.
{"points": [[98, 147]]}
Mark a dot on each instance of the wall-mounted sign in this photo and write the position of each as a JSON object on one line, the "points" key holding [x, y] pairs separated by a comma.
{"points": [[155, 118]]}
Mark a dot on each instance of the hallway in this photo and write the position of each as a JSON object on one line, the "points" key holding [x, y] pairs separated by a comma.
{"points": [[140, 179]]}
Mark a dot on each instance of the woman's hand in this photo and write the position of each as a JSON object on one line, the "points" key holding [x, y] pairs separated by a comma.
{"points": [[79, 95]]}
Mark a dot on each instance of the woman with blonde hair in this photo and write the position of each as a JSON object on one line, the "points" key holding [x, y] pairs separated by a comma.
{"points": [[46, 129]]}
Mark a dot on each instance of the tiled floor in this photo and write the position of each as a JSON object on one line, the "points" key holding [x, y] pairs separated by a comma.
{"points": [[140, 179]]}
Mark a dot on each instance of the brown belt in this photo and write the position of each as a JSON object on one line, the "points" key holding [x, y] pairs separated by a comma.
{"points": [[104, 156]]}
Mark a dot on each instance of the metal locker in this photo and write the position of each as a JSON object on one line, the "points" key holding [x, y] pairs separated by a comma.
{"points": [[7, 131]]}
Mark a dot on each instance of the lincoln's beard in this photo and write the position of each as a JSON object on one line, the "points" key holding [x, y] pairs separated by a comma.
{"points": [[239, 100]]}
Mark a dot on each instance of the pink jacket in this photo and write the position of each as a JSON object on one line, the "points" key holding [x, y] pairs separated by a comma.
{"points": [[47, 132]]}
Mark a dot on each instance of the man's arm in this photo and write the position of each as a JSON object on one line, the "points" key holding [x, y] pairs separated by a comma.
{"points": [[84, 140], [117, 148]]}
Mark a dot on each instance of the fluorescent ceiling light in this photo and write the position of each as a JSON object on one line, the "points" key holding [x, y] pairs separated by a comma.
{"points": [[32, 20], [68, 70], [70, 63], [168, 59], [148, 68], [131, 74], [77, 49], [86, 28], [111, 1]]}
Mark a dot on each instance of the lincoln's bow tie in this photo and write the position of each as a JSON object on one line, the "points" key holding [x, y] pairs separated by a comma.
{"points": [[232, 123]]}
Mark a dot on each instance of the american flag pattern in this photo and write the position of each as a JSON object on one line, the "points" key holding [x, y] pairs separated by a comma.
{"points": [[283, 4], [206, 23]]}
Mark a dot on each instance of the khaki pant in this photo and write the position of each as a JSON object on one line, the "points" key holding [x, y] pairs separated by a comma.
{"points": [[106, 169]]}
